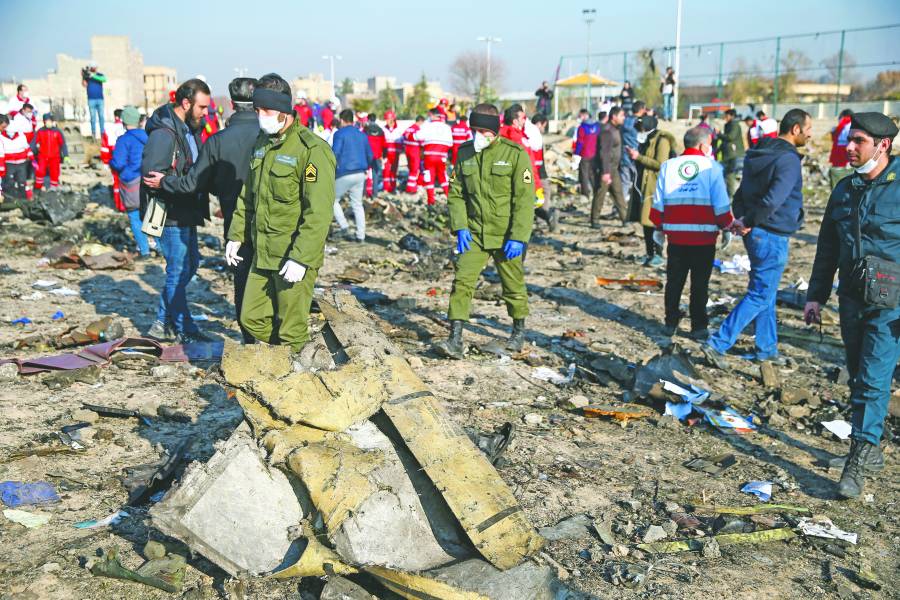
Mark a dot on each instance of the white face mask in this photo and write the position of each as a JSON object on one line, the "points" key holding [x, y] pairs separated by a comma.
{"points": [[707, 152], [869, 165], [269, 124], [481, 141], [642, 137]]}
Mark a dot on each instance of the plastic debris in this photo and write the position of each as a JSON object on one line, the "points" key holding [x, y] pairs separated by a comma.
{"points": [[729, 420], [840, 428], [738, 265], [760, 489], [58, 315], [638, 283], [104, 522], [17, 493], [822, 527], [548, 374], [689, 396], [25, 518], [713, 465], [45, 284], [621, 414], [21, 321], [64, 291], [166, 574], [725, 539], [758, 509]]}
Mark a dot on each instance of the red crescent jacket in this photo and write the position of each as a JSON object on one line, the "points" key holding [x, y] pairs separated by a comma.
{"points": [[393, 139], [461, 133], [409, 136], [839, 140], [15, 148], [49, 143], [304, 113], [514, 134]]}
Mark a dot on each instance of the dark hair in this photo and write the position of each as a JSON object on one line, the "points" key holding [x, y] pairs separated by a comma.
{"points": [[373, 117], [434, 111], [188, 90], [584, 111], [4, 120], [26, 105], [419, 118], [614, 111], [117, 113], [601, 115], [748, 117], [695, 135], [509, 115], [638, 106], [241, 90], [795, 116], [760, 113], [731, 112], [704, 117], [462, 118], [539, 118], [845, 113], [274, 81], [346, 115], [486, 108], [19, 87]]}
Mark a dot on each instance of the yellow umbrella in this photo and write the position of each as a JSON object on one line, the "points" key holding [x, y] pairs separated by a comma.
{"points": [[581, 80]]}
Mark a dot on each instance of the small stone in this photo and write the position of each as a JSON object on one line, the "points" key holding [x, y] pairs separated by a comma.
{"points": [[9, 372], [776, 420], [654, 533], [711, 549], [791, 396], [104, 434], [728, 525], [533, 419], [415, 362], [82, 415], [670, 527], [799, 411], [154, 549], [574, 403], [685, 521], [764, 521], [672, 507], [630, 504], [50, 567], [164, 372], [604, 533], [620, 550], [769, 375]]}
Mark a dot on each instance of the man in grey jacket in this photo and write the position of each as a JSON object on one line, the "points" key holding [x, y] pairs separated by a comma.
{"points": [[609, 157]]}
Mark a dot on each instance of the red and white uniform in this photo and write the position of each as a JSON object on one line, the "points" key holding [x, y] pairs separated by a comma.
{"points": [[534, 142], [108, 140], [16, 156], [22, 124], [461, 135], [437, 140], [49, 146], [514, 134], [413, 149], [840, 137], [304, 113], [393, 143], [16, 104], [762, 128]]}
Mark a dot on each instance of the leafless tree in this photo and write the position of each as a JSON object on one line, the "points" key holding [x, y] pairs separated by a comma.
{"points": [[469, 73]]}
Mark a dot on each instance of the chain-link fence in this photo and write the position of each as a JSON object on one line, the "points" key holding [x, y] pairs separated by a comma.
{"points": [[829, 67]]}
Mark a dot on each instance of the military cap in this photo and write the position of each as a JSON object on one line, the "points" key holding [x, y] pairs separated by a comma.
{"points": [[875, 124]]}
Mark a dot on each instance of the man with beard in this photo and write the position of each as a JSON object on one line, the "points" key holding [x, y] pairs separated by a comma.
{"points": [[173, 146]]}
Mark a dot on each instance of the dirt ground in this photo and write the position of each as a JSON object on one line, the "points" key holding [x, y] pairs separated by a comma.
{"points": [[560, 464]]}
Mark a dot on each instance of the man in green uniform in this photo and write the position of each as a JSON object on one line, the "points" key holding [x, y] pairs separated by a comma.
{"points": [[285, 208], [731, 143], [491, 206]]}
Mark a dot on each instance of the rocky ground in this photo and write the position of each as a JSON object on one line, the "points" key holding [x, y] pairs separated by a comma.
{"points": [[626, 478]]}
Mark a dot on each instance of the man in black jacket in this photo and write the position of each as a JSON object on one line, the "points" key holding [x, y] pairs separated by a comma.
{"points": [[221, 169], [173, 146]]}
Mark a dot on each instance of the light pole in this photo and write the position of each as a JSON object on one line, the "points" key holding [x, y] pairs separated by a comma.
{"points": [[488, 40], [589, 14], [241, 71], [677, 62], [331, 58]]}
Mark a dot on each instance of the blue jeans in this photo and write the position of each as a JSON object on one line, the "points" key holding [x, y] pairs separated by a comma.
{"points": [[768, 254], [182, 253], [377, 185], [140, 238], [668, 101], [872, 345], [95, 107]]}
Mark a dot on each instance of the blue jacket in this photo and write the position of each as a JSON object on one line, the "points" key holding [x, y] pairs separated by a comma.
{"points": [[126, 156], [771, 192], [94, 89], [629, 138], [352, 151]]}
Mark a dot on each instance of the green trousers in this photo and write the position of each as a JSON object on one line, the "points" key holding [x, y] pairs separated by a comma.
{"points": [[468, 268], [275, 311]]}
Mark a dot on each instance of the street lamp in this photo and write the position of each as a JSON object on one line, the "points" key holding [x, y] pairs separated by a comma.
{"points": [[241, 71], [488, 40], [677, 62], [589, 15], [331, 58]]}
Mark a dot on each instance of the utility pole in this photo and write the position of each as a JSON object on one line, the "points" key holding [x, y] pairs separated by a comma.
{"points": [[840, 72], [677, 61], [488, 40], [589, 14], [331, 58], [241, 71], [775, 85]]}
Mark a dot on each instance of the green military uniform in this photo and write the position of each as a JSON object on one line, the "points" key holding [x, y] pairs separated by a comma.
{"points": [[285, 208], [491, 195], [732, 144]]}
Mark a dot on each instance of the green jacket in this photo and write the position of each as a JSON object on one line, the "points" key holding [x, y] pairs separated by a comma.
{"points": [[660, 148], [286, 205], [492, 193], [732, 141]]}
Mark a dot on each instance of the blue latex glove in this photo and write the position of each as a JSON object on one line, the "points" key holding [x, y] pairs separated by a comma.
{"points": [[512, 249], [463, 240]]}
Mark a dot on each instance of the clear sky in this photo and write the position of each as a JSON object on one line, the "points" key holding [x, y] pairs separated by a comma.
{"points": [[404, 38]]}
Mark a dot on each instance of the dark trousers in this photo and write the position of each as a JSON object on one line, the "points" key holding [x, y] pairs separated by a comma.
{"points": [[698, 261], [241, 271], [650, 246], [586, 176], [614, 187]]}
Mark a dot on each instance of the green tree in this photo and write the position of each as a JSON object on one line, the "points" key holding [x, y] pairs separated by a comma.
{"points": [[646, 87], [746, 85], [793, 65], [346, 87], [388, 100], [418, 101], [362, 104]]}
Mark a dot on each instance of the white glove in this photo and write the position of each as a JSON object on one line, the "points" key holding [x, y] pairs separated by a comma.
{"points": [[231, 253], [727, 236], [292, 272], [659, 237], [576, 160]]}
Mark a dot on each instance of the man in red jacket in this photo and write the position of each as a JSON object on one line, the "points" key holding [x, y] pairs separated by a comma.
{"points": [[413, 149], [327, 115], [461, 135], [393, 142], [49, 146], [303, 110], [840, 137]]}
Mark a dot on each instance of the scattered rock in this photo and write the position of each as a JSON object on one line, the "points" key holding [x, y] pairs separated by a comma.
{"points": [[654, 533], [154, 549], [711, 549], [574, 403], [9, 372], [533, 419], [572, 528], [164, 372]]}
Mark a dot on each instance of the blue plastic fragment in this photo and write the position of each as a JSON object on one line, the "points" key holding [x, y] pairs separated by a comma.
{"points": [[21, 321], [18, 493], [58, 315]]}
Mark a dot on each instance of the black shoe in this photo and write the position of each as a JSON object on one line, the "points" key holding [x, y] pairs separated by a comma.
{"points": [[453, 346], [701, 335], [161, 332], [194, 337], [596, 226], [863, 458], [670, 330], [516, 342], [554, 220]]}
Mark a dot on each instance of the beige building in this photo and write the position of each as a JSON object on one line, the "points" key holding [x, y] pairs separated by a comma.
{"points": [[314, 86], [158, 82]]}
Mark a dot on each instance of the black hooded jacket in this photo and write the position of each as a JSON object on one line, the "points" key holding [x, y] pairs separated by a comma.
{"points": [[167, 152], [771, 192]]}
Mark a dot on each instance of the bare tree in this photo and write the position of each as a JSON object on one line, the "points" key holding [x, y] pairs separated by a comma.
{"points": [[469, 75], [831, 64]]}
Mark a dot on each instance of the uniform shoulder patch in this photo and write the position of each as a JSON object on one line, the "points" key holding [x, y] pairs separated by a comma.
{"points": [[311, 173], [526, 176], [891, 176]]}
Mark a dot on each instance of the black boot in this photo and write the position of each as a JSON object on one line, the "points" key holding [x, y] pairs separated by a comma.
{"points": [[863, 458], [554, 220], [453, 346], [516, 340]]}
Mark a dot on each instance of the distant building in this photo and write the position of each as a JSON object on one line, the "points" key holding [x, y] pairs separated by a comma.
{"points": [[314, 86], [158, 82]]}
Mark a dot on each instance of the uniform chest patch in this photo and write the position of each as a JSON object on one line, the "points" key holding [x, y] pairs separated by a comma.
{"points": [[501, 163], [286, 159], [259, 153], [311, 173], [526, 176]]}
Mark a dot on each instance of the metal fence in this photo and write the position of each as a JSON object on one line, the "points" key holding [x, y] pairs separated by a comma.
{"points": [[827, 66]]}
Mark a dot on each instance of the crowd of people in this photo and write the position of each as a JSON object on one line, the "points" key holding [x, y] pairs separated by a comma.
{"points": [[281, 168]]}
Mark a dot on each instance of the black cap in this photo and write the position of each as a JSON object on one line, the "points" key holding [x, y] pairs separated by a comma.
{"points": [[875, 124], [648, 123]]}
